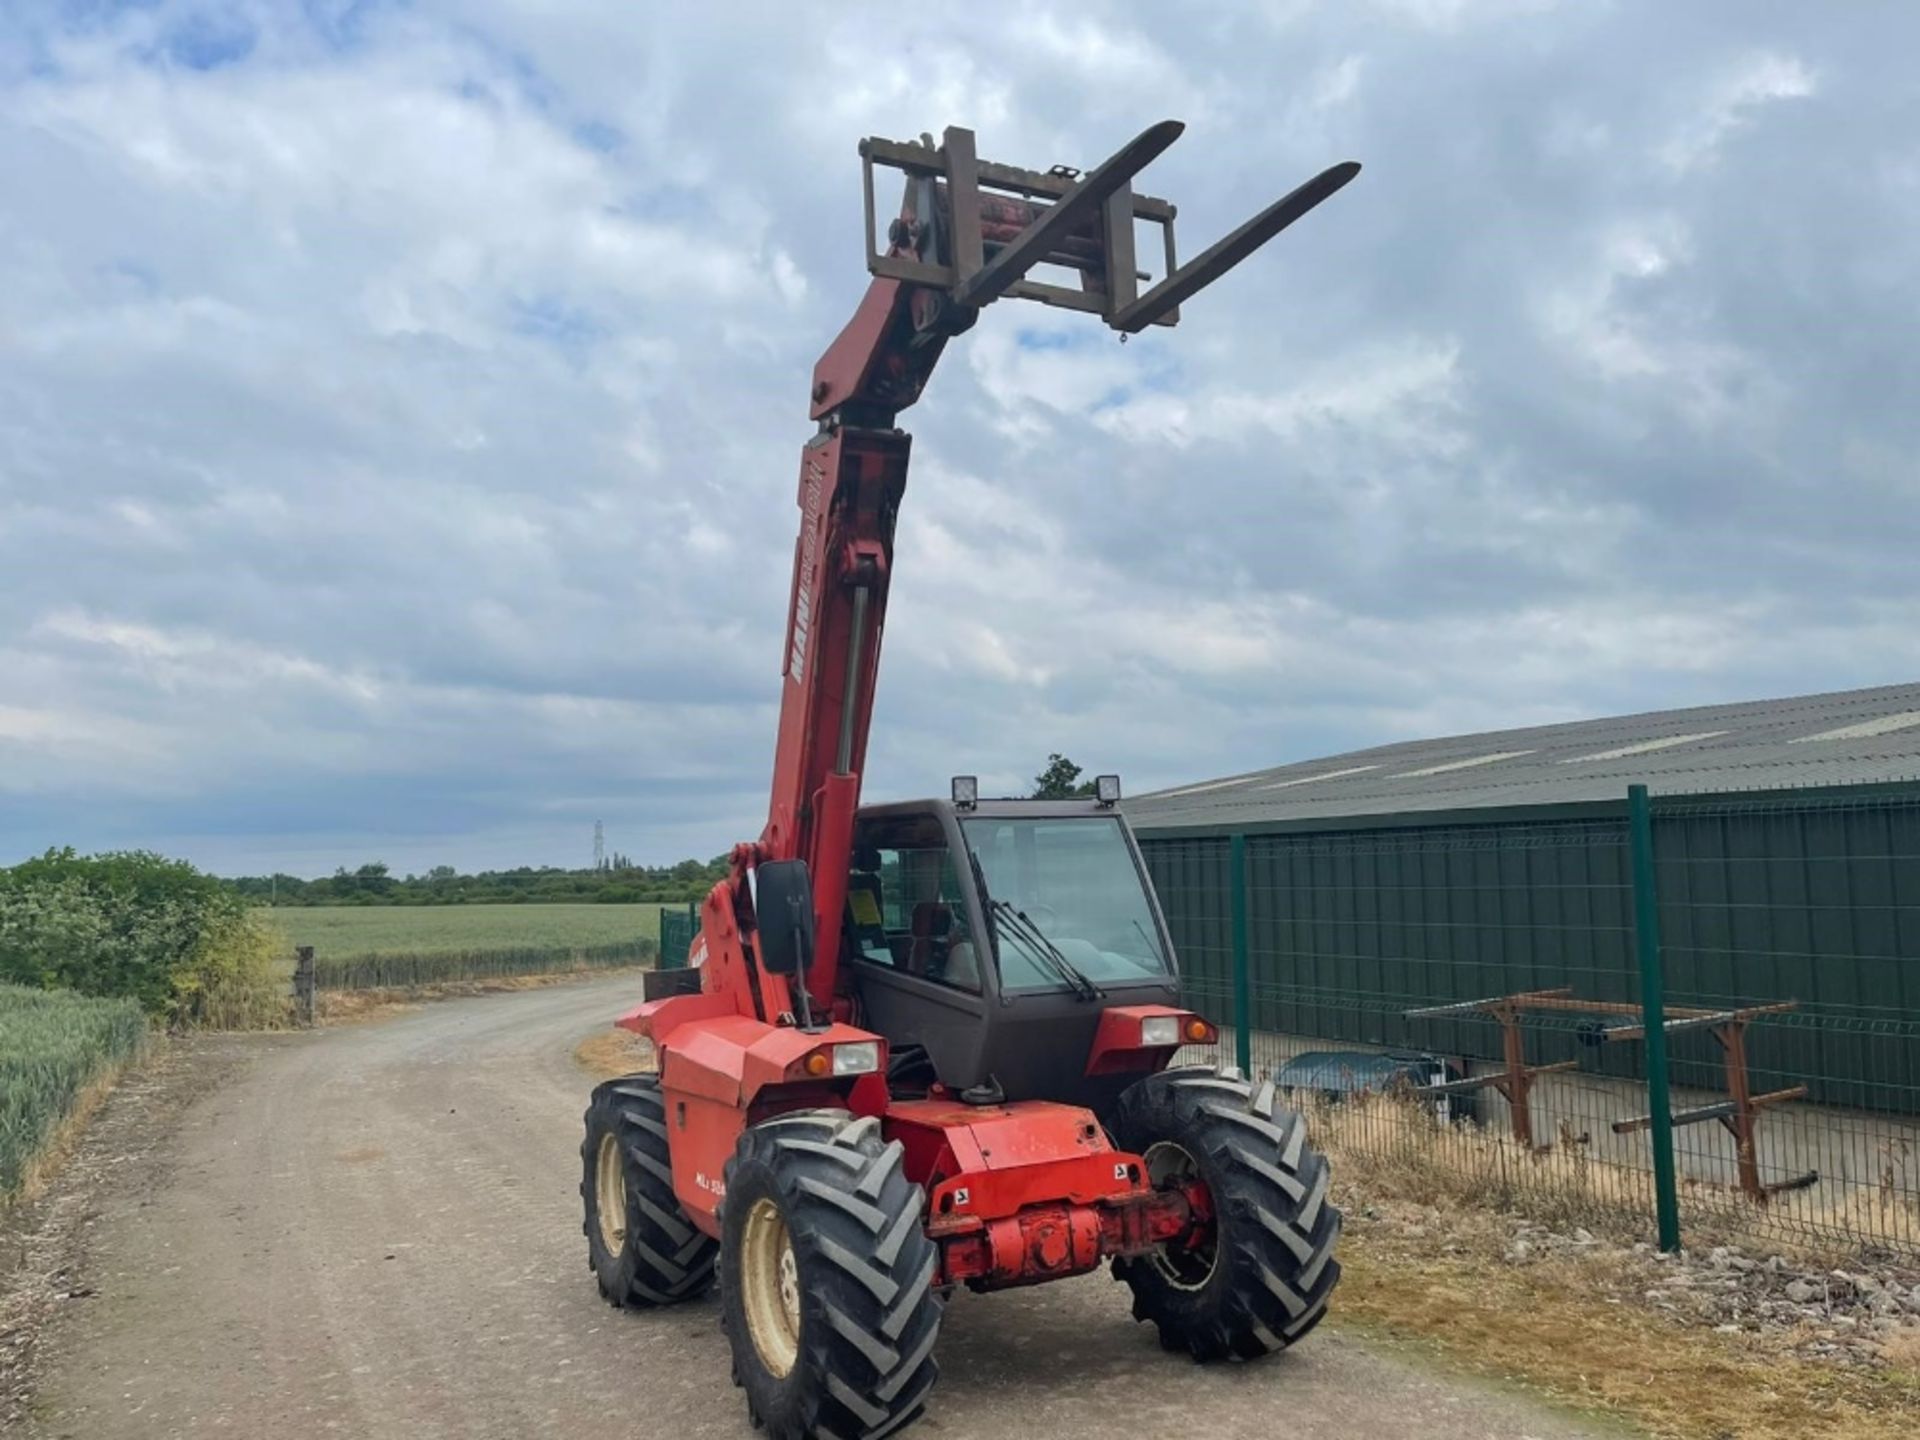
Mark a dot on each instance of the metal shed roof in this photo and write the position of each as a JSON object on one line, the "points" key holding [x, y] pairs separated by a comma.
{"points": [[1848, 737]]}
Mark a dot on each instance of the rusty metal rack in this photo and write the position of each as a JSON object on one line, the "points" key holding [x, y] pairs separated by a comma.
{"points": [[1739, 1112], [1515, 1082]]}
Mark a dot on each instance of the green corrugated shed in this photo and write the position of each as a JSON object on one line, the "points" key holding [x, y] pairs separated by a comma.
{"points": [[1504, 874]]}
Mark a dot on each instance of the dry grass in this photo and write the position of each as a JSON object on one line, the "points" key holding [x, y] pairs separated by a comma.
{"points": [[608, 1053], [1577, 1328], [1576, 1325], [1397, 1147], [350, 1007], [1902, 1352], [1833, 1217]]}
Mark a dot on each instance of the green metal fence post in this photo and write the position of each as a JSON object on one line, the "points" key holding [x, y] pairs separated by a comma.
{"points": [[1242, 982], [1646, 931]]}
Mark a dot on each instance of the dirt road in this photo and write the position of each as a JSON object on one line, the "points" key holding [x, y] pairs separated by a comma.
{"points": [[374, 1232]]}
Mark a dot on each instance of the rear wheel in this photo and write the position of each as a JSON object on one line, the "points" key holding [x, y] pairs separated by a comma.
{"points": [[827, 1279], [1255, 1274], [640, 1244]]}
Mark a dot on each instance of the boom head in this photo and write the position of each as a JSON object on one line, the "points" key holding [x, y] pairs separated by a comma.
{"points": [[970, 232], [973, 230]]}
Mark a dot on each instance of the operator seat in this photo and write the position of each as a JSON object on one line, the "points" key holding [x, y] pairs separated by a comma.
{"points": [[932, 924]]}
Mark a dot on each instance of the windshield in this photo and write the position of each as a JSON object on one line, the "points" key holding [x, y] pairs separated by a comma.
{"points": [[1074, 880]]}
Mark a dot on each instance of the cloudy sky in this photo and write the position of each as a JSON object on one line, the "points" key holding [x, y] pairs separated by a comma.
{"points": [[400, 403]]}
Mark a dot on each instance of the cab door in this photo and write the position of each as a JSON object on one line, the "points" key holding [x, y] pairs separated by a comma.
{"points": [[914, 944]]}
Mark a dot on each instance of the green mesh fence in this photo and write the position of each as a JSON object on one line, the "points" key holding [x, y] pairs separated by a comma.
{"points": [[1813, 899], [678, 926], [1356, 938]]}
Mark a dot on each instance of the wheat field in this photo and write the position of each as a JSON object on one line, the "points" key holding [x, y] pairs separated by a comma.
{"points": [[53, 1045], [341, 930]]}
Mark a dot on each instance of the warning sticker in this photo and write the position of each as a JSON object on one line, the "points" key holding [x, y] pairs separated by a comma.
{"points": [[866, 910]]}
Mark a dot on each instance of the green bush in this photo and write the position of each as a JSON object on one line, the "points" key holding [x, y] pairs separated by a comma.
{"points": [[138, 925], [236, 978], [53, 1044]]}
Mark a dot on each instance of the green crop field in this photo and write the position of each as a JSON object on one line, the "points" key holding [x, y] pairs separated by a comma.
{"points": [[338, 930], [53, 1044], [376, 947]]}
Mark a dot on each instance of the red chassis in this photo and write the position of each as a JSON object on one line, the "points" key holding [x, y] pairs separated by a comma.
{"points": [[1016, 1193]]}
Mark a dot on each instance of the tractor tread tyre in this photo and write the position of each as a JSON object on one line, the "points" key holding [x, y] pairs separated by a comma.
{"points": [[663, 1259], [1274, 1265], [869, 1310]]}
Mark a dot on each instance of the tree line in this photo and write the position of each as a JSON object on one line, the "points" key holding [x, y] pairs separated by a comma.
{"points": [[617, 882]]}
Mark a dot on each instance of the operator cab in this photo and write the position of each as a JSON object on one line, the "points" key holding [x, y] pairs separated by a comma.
{"points": [[985, 939]]}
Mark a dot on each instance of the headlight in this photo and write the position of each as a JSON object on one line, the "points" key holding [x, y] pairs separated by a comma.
{"points": [[1160, 1030], [858, 1057]]}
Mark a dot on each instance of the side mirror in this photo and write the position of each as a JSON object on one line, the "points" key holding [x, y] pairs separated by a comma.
{"points": [[783, 913]]}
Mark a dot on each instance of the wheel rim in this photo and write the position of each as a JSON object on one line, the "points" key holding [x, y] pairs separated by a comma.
{"points": [[1187, 1264], [770, 1287], [610, 1193]]}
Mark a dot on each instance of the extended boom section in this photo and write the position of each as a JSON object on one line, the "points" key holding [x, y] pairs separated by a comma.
{"points": [[851, 481]]}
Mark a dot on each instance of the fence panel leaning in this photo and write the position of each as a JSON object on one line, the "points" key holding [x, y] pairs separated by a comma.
{"points": [[1497, 1013]]}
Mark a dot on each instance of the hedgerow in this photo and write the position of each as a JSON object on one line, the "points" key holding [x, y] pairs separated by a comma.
{"points": [[136, 925]]}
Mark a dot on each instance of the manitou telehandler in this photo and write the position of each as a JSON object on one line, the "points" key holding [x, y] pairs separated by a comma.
{"points": [[925, 1045]]}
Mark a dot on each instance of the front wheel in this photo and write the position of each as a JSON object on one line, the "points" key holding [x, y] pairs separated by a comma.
{"points": [[1255, 1274], [642, 1248], [826, 1279]]}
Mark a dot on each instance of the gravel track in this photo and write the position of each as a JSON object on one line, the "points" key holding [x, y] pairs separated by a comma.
{"points": [[373, 1231]]}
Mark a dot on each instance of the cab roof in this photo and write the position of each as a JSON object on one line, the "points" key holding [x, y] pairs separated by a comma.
{"points": [[1085, 806]]}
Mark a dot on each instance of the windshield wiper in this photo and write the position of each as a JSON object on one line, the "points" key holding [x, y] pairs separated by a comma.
{"points": [[1038, 944], [980, 889], [1158, 962]]}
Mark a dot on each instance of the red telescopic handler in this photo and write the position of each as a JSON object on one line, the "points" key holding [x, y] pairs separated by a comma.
{"points": [[932, 1044]]}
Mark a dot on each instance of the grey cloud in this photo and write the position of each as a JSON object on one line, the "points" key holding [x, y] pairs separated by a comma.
{"points": [[398, 419]]}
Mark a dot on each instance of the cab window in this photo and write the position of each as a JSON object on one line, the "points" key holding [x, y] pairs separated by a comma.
{"points": [[906, 908], [1073, 881]]}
